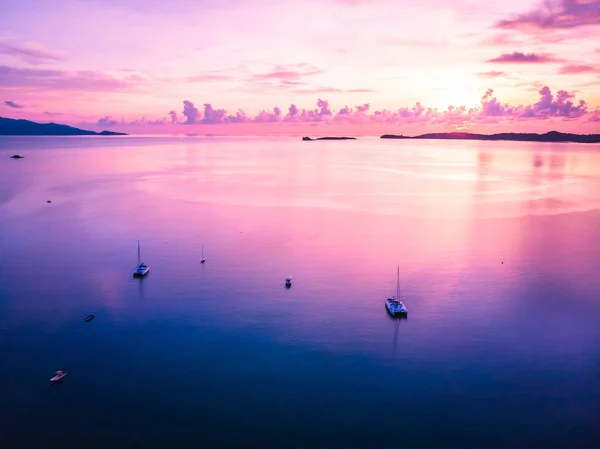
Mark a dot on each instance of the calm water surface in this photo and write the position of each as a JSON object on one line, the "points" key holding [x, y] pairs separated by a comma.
{"points": [[499, 252]]}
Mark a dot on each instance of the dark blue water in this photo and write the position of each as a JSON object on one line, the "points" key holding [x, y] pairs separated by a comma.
{"points": [[499, 252]]}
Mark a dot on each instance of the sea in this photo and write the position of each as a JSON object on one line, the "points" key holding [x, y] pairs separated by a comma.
{"points": [[497, 245]]}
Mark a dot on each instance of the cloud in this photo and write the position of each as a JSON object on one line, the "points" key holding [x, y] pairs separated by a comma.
{"points": [[555, 14], [571, 69], [12, 104], [28, 52], [209, 77], [329, 90], [53, 114], [491, 74], [106, 121], [489, 110], [293, 72], [266, 116], [213, 116], [174, 118], [523, 58], [60, 80], [190, 112]]}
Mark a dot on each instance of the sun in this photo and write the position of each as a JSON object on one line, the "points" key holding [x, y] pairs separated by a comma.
{"points": [[455, 96]]}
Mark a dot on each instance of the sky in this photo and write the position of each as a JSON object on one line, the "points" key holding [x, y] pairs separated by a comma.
{"points": [[259, 67]]}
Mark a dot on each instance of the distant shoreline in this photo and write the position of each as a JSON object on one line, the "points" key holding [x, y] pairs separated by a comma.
{"points": [[309, 139], [551, 137], [19, 127]]}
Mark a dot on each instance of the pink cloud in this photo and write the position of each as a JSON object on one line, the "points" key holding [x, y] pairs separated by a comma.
{"points": [[556, 14], [523, 58], [329, 90], [570, 69], [288, 73], [208, 77], [491, 74]]}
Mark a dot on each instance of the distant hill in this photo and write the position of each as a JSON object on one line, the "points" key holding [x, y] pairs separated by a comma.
{"points": [[12, 127], [552, 136]]}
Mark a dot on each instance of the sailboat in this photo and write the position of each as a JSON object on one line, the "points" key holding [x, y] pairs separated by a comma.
{"points": [[141, 269], [394, 306], [203, 259]]}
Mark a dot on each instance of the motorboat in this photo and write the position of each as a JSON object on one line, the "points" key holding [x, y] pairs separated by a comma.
{"points": [[89, 318], [142, 269], [288, 281], [58, 377], [394, 306]]}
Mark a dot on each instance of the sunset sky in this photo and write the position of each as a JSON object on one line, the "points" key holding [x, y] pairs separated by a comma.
{"points": [[298, 66]]}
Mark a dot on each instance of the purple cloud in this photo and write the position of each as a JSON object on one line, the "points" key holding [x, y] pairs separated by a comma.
{"points": [[265, 116], [213, 116], [60, 80], [523, 58], [30, 53], [489, 110], [174, 118], [556, 14], [107, 121], [190, 112], [570, 69], [12, 104]]}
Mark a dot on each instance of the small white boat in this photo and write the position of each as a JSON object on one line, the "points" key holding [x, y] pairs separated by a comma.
{"points": [[394, 306], [203, 259], [58, 377], [141, 269], [288, 281]]}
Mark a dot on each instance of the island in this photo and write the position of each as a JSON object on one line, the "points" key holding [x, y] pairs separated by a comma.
{"points": [[552, 136], [329, 138], [19, 127]]}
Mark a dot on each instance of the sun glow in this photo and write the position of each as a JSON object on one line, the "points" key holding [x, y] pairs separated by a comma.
{"points": [[456, 96]]}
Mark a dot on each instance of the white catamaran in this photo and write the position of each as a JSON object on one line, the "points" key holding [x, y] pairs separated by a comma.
{"points": [[141, 269], [393, 305]]}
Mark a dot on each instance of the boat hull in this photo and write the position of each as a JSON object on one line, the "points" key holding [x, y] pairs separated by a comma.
{"points": [[56, 379], [396, 312], [141, 273]]}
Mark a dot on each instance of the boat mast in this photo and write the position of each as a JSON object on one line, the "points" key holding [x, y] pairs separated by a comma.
{"points": [[139, 257], [398, 284], [203, 251]]}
